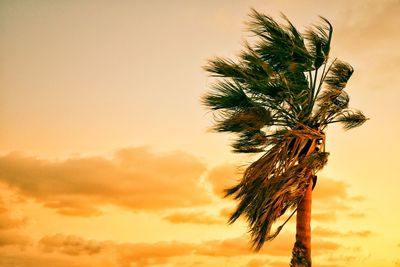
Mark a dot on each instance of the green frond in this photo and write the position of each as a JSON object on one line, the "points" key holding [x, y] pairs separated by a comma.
{"points": [[225, 68], [260, 77], [281, 46], [272, 90], [302, 60], [227, 95], [351, 119], [245, 120], [339, 75], [319, 41], [254, 65], [265, 26], [296, 82]]}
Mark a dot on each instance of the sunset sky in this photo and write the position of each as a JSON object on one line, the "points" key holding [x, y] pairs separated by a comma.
{"points": [[105, 154]]}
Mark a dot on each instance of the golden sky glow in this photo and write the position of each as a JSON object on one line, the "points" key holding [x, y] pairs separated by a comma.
{"points": [[105, 157]]}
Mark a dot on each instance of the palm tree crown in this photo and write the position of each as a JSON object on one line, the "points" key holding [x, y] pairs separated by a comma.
{"points": [[278, 98]]}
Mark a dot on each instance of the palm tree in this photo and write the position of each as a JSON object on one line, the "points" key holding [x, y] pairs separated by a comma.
{"points": [[278, 98]]}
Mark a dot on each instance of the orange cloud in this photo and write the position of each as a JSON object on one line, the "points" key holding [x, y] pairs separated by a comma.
{"points": [[10, 225], [222, 177], [9, 222], [323, 216], [328, 189], [134, 178], [330, 196], [81, 252], [281, 246], [324, 232], [258, 263], [70, 245], [121, 255], [226, 213], [13, 238], [356, 215], [194, 218]]}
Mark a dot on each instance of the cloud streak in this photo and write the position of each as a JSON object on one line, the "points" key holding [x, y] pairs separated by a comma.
{"points": [[193, 218], [134, 178]]}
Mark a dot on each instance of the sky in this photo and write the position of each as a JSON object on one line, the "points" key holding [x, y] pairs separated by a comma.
{"points": [[106, 158]]}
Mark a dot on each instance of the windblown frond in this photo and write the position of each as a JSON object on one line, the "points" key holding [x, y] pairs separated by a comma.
{"points": [[331, 102], [277, 182], [319, 38], [220, 67], [244, 120], [250, 142], [339, 75], [282, 47], [351, 119], [227, 95]]}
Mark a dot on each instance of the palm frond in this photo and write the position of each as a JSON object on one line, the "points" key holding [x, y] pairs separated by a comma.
{"points": [[252, 141], [227, 95], [276, 182], [319, 40], [350, 119], [244, 120], [334, 99], [302, 60], [281, 46], [226, 68], [339, 75]]}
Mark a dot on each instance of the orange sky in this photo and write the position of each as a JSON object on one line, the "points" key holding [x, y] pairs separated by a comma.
{"points": [[105, 158]]}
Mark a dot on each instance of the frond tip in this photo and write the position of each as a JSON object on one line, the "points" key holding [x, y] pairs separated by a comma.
{"points": [[351, 119], [226, 95]]}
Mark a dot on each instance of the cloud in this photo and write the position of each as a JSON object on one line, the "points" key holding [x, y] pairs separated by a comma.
{"points": [[70, 245], [257, 263], [10, 222], [328, 189], [333, 195], [356, 215], [278, 264], [226, 213], [193, 218], [281, 246], [324, 232], [13, 238], [143, 254], [83, 252], [134, 178], [222, 177], [121, 255], [323, 216]]}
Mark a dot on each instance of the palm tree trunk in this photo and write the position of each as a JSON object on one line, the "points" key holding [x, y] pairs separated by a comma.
{"points": [[301, 254]]}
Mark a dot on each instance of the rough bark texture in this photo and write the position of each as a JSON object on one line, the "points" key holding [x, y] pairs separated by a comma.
{"points": [[301, 254]]}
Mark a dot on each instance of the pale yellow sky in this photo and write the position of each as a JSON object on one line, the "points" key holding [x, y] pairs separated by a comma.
{"points": [[103, 136]]}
